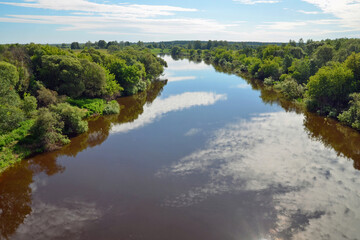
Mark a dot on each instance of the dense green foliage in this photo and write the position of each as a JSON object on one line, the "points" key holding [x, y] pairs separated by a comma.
{"points": [[111, 107], [351, 117], [323, 75], [92, 106], [39, 81], [17, 134], [331, 85], [47, 130], [72, 118]]}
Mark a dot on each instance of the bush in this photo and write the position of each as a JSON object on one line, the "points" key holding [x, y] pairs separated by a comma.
{"points": [[112, 107], [46, 97], [47, 130], [72, 118], [29, 105], [112, 88], [62, 74], [94, 78], [9, 77], [10, 113], [129, 77], [10, 117], [351, 117], [270, 68], [331, 85], [269, 81], [290, 88]]}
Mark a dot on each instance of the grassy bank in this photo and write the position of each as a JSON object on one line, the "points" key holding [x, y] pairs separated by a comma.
{"points": [[21, 143]]}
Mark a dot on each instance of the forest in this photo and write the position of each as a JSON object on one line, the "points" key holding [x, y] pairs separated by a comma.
{"points": [[47, 93], [322, 76]]}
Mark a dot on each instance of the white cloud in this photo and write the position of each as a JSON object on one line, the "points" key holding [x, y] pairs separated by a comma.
{"points": [[183, 65], [348, 11], [179, 78], [115, 23], [285, 26], [135, 10], [162, 22], [251, 2], [308, 12]]}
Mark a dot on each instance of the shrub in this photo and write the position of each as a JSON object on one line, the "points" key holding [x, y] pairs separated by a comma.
{"points": [[63, 74], [112, 88], [46, 97], [72, 118], [94, 78], [269, 81], [9, 77], [47, 130], [270, 68], [10, 117], [29, 105], [290, 88], [331, 85], [351, 117], [112, 107]]}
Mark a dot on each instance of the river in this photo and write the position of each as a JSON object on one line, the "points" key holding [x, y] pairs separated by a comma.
{"points": [[205, 155]]}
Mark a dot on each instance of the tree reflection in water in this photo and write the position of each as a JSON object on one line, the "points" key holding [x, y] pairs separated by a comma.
{"points": [[15, 183], [344, 140]]}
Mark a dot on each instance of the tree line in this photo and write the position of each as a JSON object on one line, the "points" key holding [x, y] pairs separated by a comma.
{"points": [[323, 76], [47, 92]]}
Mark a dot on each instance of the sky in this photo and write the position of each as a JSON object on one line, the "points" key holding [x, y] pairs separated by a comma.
{"points": [[65, 21]]}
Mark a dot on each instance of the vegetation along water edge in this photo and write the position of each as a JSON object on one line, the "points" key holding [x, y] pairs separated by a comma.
{"points": [[48, 93], [323, 76]]}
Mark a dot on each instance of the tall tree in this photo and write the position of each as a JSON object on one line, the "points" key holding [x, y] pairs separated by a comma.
{"points": [[75, 45]]}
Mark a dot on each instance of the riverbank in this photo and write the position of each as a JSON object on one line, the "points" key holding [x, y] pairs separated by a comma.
{"points": [[323, 76], [20, 144], [47, 92]]}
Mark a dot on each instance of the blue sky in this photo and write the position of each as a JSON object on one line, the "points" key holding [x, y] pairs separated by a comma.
{"points": [[58, 21]]}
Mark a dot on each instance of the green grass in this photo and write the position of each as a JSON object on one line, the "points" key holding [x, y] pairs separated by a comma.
{"points": [[93, 106], [96, 106], [159, 50], [10, 149], [17, 134]]}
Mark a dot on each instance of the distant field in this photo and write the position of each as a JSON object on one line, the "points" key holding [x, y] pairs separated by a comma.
{"points": [[159, 50]]}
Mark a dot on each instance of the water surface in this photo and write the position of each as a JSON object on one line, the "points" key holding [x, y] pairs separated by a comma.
{"points": [[205, 155]]}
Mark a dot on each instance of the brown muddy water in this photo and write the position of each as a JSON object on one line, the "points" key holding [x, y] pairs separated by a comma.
{"points": [[205, 156]]}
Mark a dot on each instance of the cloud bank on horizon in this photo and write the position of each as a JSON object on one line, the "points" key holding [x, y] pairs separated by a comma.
{"points": [[233, 20]]}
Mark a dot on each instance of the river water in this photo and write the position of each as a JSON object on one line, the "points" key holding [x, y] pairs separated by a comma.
{"points": [[205, 155]]}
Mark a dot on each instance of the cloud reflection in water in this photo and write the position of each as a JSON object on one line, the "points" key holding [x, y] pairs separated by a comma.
{"points": [[315, 193], [173, 103], [49, 221]]}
